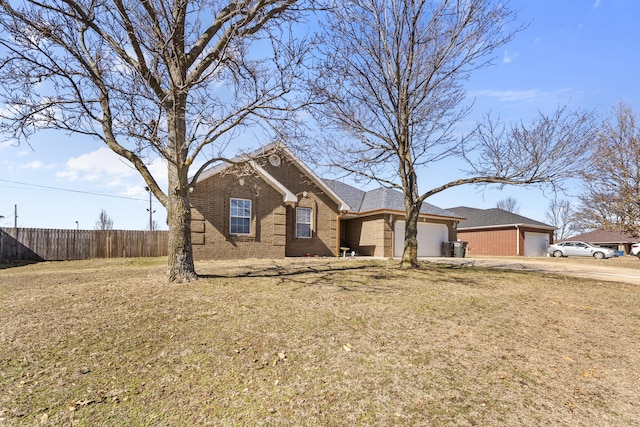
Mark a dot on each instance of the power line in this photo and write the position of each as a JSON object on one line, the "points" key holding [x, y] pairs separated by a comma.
{"points": [[72, 191]]}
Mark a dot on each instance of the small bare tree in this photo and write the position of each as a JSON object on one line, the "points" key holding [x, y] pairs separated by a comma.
{"points": [[393, 84], [105, 222], [509, 204], [151, 78], [611, 198], [560, 215]]}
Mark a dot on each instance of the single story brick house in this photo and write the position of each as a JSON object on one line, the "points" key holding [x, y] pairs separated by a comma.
{"points": [[616, 240], [496, 232], [269, 204]]}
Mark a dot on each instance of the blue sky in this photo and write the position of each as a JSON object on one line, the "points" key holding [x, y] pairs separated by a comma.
{"points": [[580, 53]]}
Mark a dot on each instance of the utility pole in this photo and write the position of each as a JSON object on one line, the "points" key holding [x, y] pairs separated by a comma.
{"points": [[150, 209], [15, 216]]}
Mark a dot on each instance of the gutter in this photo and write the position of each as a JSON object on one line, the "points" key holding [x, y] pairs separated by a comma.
{"points": [[483, 227], [399, 213]]}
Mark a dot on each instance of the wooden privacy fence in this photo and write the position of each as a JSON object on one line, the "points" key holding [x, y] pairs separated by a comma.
{"points": [[38, 244]]}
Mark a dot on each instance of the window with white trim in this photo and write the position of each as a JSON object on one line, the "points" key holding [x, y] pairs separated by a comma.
{"points": [[303, 223], [240, 216]]}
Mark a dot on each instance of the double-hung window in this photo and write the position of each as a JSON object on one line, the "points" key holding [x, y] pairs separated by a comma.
{"points": [[240, 218], [303, 223]]}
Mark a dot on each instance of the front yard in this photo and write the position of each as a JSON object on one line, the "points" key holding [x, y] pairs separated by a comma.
{"points": [[314, 342]]}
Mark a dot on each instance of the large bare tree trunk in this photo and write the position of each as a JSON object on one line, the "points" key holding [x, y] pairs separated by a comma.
{"points": [[181, 267], [410, 253], [180, 264], [412, 204]]}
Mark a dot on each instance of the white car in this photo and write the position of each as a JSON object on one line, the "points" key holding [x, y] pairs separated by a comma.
{"points": [[635, 249], [565, 249]]}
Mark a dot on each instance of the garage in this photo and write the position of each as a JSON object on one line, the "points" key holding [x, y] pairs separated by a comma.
{"points": [[430, 238], [535, 244]]}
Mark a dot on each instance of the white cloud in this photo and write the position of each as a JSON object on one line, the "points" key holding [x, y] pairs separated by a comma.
{"points": [[100, 165], [509, 95], [596, 4], [36, 165], [514, 96], [106, 168], [8, 143], [158, 169], [508, 57]]}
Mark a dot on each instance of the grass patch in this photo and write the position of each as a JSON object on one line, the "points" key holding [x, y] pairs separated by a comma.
{"points": [[314, 342]]}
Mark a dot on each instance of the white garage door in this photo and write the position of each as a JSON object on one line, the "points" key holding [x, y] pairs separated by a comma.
{"points": [[430, 238], [535, 244]]}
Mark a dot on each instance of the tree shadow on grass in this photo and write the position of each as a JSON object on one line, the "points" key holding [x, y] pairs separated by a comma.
{"points": [[373, 276], [471, 274], [344, 277]]}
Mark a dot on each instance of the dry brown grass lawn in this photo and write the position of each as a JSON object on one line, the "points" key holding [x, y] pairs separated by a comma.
{"points": [[314, 342]]}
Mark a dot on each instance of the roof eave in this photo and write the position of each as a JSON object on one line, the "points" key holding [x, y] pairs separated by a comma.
{"points": [[399, 212], [479, 227]]}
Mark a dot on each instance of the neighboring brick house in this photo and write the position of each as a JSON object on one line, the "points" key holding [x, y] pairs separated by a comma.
{"points": [[496, 232], [271, 205]]}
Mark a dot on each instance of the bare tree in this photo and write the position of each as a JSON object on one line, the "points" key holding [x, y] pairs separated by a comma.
{"points": [[611, 199], [560, 215], [105, 222], [509, 204], [151, 78], [392, 81]]}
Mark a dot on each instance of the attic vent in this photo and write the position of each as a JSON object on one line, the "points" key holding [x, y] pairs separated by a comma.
{"points": [[274, 159]]}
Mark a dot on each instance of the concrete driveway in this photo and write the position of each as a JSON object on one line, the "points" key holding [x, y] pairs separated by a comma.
{"points": [[623, 270]]}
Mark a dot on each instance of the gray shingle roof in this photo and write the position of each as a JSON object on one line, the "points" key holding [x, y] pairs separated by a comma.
{"points": [[478, 218], [604, 236], [380, 199], [351, 195]]}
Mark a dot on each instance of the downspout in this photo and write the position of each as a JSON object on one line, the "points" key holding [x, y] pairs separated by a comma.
{"points": [[517, 240]]}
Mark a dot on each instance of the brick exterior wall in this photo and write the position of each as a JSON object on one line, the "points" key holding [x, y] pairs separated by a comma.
{"points": [[495, 242], [369, 236], [498, 241], [373, 235], [273, 225]]}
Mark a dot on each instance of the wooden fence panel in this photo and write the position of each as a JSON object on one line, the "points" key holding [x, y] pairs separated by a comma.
{"points": [[38, 244]]}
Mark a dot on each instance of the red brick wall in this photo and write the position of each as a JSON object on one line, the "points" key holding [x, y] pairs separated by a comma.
{"points": [[498, 242], [495, 242]]}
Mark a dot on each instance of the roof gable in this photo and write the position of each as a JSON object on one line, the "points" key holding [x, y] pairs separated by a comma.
{"points": [[495, 217]]}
